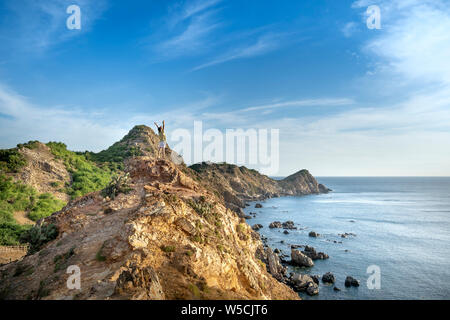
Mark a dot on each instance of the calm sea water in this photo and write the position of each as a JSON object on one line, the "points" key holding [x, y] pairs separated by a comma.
{"points": [[402, 225]]}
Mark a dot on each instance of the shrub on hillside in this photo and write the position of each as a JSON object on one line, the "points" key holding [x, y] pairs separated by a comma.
{"points": [[117, 185], [39, 235], [86, 175], [11, 160]]}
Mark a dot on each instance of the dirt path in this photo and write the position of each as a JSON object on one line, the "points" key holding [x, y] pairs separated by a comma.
{"points": [[21, 218]]}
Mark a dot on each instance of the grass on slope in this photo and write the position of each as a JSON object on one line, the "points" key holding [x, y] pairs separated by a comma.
{"points": [[11, 160], [121, 150], [86, 175], [14, 197]]}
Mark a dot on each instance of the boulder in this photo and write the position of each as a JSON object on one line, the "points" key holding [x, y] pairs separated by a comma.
{"points": [[316, 278], [275, 268], [286, 232], [275, 224], [328, 278], [258, 205], [299, 259], [323, 189], [351, 282], [313, 254], [313, 234], [313, 289], [288, 225], [304, 283], [257, 226], [186, 226]]}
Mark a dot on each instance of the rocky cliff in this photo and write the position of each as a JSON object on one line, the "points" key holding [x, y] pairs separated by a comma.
{"points": [[238, 185], [165, 237]]}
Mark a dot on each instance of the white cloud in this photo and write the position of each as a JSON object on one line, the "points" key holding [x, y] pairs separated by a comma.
{"points": [[79, 130], [22, 120], [410, 137]]}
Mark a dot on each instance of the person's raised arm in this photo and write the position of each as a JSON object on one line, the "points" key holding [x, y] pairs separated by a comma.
{"points": [[156, 125], [163, 125]]}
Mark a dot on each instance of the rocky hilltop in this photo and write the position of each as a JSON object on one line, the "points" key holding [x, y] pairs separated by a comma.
{"points": [[164, 237], [238, 185], [137, 227]]}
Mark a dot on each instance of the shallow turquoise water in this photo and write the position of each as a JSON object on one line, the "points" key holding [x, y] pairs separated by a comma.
{"points": [[402, 225]]}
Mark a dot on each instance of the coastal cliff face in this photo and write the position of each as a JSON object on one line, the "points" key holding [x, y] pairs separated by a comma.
{"points": [[166, 238], [238, 185]]}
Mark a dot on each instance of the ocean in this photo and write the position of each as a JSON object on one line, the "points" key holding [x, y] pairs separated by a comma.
{"points": [[401, 226]]}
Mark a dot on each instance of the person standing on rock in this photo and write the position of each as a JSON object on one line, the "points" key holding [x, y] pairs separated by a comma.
{"points": [[162, 140]]}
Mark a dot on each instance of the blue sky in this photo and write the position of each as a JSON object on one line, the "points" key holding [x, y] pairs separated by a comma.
{"points": [[348, 100]]}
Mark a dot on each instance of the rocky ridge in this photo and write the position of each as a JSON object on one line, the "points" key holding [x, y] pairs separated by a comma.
{"points": [[167, 238]]}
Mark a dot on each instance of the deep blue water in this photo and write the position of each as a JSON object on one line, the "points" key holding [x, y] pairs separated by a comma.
{"points": [[402, 225]]}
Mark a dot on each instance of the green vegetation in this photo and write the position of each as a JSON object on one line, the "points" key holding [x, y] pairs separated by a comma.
{"points": [[55, 184], [32, 144], [10, 230], [42, 291], [121, 150], [11, 160], [168, 248], [115, 155], [203, 208], [38, 235], [240, 228], [60, 260], [195, 290], [23, 269], [15, 197], [117, 185], [45, 205], [86, 175], [99, 256]]}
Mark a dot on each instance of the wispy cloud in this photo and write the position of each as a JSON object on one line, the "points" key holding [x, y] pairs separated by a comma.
{"points": [[197, 29], [265, 43], [349, 29], [303, 103], [192, 39], [195, 7], [187, 30]]}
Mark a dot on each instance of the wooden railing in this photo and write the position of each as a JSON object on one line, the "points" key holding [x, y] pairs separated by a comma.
{"points": [[12, 253], [14, 248]]}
